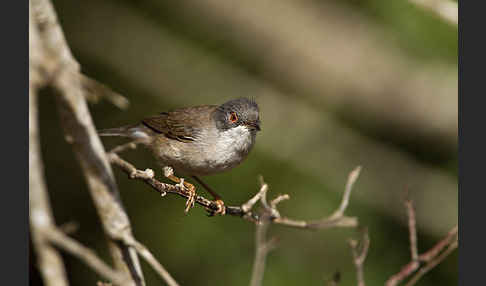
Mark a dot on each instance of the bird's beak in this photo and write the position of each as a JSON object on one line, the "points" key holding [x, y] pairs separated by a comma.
{"points": [[254, 125]]}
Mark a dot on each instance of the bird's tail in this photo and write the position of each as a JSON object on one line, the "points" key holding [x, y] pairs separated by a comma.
{"points": [[137, 131]]}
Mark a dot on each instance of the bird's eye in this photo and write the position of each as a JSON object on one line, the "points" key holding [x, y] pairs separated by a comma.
{"points": [[232, 117]]}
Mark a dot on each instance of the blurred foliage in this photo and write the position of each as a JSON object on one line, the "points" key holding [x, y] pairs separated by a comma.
{"points": [[407, 25], [198, 250]]}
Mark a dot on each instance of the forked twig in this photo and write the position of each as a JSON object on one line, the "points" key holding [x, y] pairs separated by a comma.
{"points": [[360, 251], [421, 264]]}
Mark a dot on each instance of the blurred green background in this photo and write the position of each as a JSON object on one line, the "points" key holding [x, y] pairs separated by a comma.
{"points": [[339, 84]]}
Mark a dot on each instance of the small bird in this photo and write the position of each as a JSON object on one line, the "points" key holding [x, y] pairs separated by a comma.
{"points": [[198, 141]]}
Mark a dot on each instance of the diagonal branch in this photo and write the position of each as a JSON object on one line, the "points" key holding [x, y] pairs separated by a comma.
{"points": [[51, 266], [149, 257], [337, 219], [61, 71], [433, 262], [88, 256], [53, 63], [50, 262], [430, 258]]}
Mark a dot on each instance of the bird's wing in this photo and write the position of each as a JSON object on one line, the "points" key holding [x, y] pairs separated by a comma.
{"points": [[182, 124]]}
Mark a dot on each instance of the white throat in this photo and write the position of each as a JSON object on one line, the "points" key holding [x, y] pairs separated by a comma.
{"points": [[238, 139], [232, 147]]}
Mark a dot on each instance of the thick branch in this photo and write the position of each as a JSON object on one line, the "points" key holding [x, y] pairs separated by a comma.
{"points": [[50, 262], [262, 248], [62, 72]]}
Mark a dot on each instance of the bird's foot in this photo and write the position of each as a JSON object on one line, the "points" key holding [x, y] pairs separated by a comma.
{"points": [[221, 208], [184, 186], [191, 199]]}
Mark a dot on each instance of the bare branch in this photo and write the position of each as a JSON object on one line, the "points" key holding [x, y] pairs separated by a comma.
{"points": [[50, 263], [359, 255], [246, 207], [279, 199], [61, 70], [262, 248], [86, 255], [352, 177], [433, 262], [163, 188], [434, 251], [412, 229], [124, 147], [337, 219], [149, 257], [431, 257], [69, 227], [270, 212], [94, 91]]}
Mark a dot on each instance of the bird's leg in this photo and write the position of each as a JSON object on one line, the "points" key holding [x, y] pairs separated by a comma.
{"points": [[169, 174], [217, 198]]}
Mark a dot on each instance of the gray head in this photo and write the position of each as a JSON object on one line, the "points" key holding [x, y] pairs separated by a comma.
{"points": [[237, 112]]}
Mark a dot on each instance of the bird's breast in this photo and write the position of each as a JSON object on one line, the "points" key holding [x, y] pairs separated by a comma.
{"points": [[232, 147], [212, 152]]}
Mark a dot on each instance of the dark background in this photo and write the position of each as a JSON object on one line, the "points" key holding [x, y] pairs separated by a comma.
{"points": [[370, 83]]}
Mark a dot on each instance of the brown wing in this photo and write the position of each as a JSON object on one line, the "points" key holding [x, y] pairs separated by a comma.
{"points": [[182, 124]]}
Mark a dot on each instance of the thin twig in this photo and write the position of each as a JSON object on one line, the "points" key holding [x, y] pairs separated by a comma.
{"points": [[359, 255], [95, 90], [149, 257], [270, 212], [412, 229], [432, 263], [86, 255], [431, 257], [69, 227], [434, 251], [337, 219], [246, 207], [352, 177]]}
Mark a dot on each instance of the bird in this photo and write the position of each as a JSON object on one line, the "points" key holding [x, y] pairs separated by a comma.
{"points": [[198, 141]]}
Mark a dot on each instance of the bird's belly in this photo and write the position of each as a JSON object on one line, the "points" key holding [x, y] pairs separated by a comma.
{"points": [[203, 159], [201, 163]]}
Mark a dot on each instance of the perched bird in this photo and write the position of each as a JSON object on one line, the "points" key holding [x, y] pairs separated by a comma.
{"points": [[198, 141]]}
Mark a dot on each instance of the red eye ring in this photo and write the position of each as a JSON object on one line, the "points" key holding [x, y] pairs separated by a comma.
{"points": [[233, 117]]}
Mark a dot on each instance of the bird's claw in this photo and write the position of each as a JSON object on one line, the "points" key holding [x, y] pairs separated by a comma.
{"points": [[221, 208], [191, 199]]}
